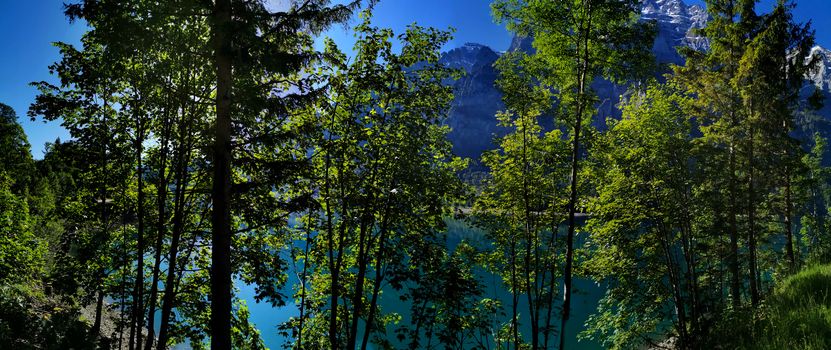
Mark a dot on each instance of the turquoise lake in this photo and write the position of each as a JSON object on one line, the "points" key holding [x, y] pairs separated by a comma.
{"points": [[584, 301]]}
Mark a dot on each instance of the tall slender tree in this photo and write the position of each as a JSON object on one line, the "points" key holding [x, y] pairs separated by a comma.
{"points": [[643, 228], [580, 40], [521, 204], [709, 74]]}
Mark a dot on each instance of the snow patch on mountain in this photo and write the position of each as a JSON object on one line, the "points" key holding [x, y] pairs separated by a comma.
{"points": [[676, 10], [677, 24], [820, 76]]}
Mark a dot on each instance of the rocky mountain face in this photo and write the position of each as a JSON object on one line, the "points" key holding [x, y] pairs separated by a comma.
{"points": [[473, 112], [472, 115], [676, 24], [821, 76], [810, 121]]}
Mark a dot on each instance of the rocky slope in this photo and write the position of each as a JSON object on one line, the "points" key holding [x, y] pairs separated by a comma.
{"points": [[810, 121], [472, 117], [676, 25], [821, 76]]}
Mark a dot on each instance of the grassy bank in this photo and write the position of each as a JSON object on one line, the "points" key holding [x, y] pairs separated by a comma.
{"points": [[796, 316]]}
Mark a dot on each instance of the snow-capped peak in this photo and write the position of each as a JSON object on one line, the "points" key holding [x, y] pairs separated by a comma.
{"points": [[470, 47], [698, 16], [671, 8], [677, 23], [821, 74]]}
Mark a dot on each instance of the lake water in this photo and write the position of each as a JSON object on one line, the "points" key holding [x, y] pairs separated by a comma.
{"points": [[584, 301]]}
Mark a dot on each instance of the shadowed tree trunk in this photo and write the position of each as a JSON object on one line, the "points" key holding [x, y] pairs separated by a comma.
{"points": [[751, 218], [161, 230], [221, 191], [137, 316], [735, 277], [575, 156], [789, 251], [178, 228]]}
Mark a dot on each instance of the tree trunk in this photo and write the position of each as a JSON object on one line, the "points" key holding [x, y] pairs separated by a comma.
{"points": [[735, 277], [364, 246], [735, 282], [96, 327], [515, 297], [178, 228], [304, 279], [221, 191], [583, 64], [137, 317], [333, 271], [751, 219], [677, 295], [529, 241], [789, 251], [99, 310], [551, 284], [161, 230], [358, 297], [376, 285], [338, 263]]}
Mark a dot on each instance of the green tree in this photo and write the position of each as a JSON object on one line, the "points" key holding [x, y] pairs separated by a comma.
{"points": [[770, 77], [172, 91], [21, 253], [577, 41], [382, 179], [642, 228], [17, 157], [814, 187], [241, 34], [709, 75], [521, 203]]}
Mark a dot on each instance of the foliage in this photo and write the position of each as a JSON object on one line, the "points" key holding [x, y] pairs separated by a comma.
{"points": [[381, 181], [641, 228], [520, 205], [16, 158], [796, 315], [576, 42], [21, 252]]}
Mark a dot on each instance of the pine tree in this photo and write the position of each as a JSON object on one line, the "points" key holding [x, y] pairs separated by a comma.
{"points": [[710, 76]]}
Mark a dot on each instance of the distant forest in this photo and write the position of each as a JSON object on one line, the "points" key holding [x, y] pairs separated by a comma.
{"points": [[214, 146]]}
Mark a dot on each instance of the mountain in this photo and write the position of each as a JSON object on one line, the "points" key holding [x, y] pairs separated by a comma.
{"points": [[821, 77], [676, 23], [472, 115], [809, 121]]}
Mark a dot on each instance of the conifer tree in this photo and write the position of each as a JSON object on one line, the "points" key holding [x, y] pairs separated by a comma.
{"points": [[710, 76]]}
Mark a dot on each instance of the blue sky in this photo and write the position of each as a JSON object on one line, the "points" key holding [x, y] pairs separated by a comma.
{"points": [[28, 27], [27, 30]]}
